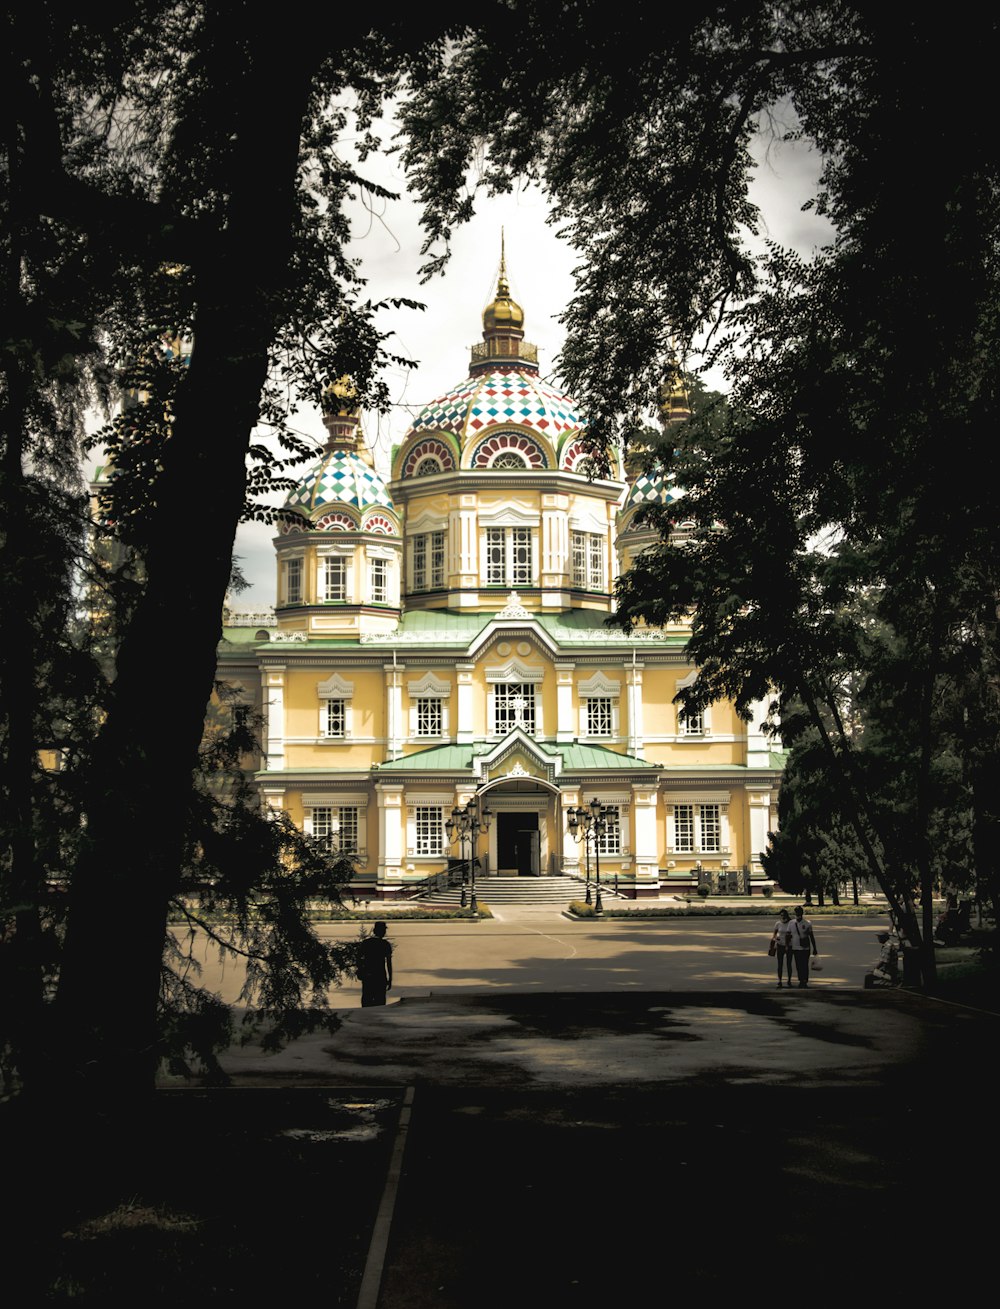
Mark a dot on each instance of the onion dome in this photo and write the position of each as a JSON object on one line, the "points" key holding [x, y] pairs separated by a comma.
{"points": [[341, 477], [343, 490], [504, 314], [484, 405]]}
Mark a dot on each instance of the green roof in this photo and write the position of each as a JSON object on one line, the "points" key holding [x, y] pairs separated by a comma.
{"points": [[458, 758]]}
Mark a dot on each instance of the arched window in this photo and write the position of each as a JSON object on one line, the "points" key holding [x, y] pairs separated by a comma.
{"points": [[427, 467], [508, 460]]}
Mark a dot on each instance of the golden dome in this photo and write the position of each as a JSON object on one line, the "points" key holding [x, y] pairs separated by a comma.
{"points": [[504, 314], [340, 397]]}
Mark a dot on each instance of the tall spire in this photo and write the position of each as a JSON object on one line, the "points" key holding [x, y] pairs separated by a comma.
{"points": [[503, 326], [504, 314]]}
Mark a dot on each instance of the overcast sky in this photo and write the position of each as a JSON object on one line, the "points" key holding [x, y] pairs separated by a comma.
{"points": [[540, 269]]}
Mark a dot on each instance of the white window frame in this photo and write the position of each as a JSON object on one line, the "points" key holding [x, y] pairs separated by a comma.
{"points": [[691, 724], [336, 691], [429, 716], [506, 694], [338, 805], [706, 831], [330, 822], [510, 556], [600, 687], [429, 687], [334, 726], [604, 708], [610, 842], [427, 561], [296, 564], [514, 672], [685, 845], [428, 831], [378, 581], [700, 725]]}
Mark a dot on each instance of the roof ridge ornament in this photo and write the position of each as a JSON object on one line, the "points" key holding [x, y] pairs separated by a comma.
{"points": [[514, 608]]}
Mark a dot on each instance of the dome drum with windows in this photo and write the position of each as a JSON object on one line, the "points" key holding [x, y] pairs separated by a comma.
{"points": [[340, 540]]}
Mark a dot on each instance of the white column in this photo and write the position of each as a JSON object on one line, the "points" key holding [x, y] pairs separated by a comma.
{"points": [[644, 843], [394, 708], [274, 711], [273, 800], [564, 702], [555, 551], [464, 724], [633, 682], [464, 544], [391, 831], [758, 745], [759, 801]]}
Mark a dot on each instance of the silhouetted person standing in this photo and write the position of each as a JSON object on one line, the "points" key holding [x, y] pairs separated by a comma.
{"points": [[376, 967]]}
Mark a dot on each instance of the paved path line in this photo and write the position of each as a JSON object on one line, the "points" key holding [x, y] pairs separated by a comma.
{"points": [[371, 1280]]}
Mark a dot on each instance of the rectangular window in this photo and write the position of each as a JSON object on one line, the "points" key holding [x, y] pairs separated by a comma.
{"points": [[684, 828], [337, 827], [430, 720], [610, 840], [513, 706], [599, 718], [692, 724], [418, 545], [711, 829], [496, 556], [334, 579], [430, 829], [596, 563], [578, 552], [509, 556], [293, 581], [379, 578], [520, 570], [437, 560], [428, 561], [336, 718]]}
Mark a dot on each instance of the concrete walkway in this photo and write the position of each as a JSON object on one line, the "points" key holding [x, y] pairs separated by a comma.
{"points": [[789, 1038], [593, 1149]]}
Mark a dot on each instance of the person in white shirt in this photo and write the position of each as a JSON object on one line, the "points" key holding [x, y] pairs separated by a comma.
{"points": [[802, 938], [783, 949]]}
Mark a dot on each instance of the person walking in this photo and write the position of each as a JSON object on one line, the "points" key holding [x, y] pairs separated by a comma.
{"points": [[375, 969], [802, 938], [782, 947]]}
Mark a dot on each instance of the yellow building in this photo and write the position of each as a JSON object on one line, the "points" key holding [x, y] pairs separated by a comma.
{"points": [[443, 636]]}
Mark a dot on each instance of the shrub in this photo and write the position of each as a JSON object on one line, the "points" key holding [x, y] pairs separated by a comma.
{"points": [[581, 910], [767, 890], [704, 890]]}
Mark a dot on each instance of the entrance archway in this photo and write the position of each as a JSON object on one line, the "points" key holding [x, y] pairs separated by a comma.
{"points": [[525, 837]]}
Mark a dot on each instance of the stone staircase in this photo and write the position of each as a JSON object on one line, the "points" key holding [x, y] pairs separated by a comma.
{"points": [[512, 890]]}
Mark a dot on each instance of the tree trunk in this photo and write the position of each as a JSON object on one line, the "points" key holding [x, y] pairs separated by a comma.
{"points": [[129, 866]]}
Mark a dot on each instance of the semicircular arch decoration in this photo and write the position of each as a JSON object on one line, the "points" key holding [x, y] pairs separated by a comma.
{"points": [[422, 457], [336, 522], [573, 454], [381, 525], [495, 447]]}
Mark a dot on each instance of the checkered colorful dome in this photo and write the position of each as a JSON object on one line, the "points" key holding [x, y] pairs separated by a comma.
{"points": [[340, 478], [647, 489], [503, 398]]}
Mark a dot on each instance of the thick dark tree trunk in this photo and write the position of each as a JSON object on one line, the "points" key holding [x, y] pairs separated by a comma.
{"points": [[128, 870]]}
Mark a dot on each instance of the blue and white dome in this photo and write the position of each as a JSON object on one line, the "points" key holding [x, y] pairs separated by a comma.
{"points": [[341, 478]]}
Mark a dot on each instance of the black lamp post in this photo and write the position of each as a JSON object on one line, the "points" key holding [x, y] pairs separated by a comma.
{"points": [[464, 825], [578, 822], [590, 821]]}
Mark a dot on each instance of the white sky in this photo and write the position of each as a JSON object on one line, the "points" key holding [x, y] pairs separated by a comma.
{"points": [[540, 269]]}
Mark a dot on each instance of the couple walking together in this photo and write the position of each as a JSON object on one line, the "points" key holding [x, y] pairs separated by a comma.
{"points": [[793, 938]]}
